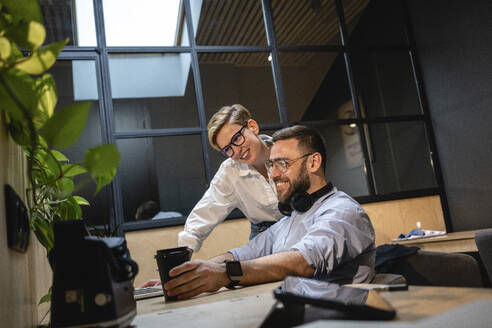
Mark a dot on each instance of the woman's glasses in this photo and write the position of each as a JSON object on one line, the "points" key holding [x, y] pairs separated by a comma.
{"points": [[236, 140]]}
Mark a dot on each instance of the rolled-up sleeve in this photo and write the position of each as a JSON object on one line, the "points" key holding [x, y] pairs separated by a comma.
{"points": [[259, 246], [218, 201], [336, 236]]}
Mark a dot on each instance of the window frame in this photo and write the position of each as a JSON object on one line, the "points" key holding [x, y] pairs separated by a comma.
{"points": [[101, 53]]}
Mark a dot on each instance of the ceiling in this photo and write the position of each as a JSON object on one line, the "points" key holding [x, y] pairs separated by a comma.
{"points": [[298, 22]]}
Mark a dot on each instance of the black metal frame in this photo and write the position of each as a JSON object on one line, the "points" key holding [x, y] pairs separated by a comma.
{"points": [[427, 119], [101, 53]]}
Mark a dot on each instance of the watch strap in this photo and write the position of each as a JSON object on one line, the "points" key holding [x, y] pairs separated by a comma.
{"points": [[232, 285]]}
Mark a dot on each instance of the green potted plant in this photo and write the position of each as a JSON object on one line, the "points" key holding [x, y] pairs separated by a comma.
{"points": [[28, 98]]}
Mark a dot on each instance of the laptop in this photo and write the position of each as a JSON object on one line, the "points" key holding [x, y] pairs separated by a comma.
{"points": [[147, 292]]}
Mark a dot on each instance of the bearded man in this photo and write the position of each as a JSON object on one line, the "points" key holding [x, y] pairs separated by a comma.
{"points": [[325, 234]]}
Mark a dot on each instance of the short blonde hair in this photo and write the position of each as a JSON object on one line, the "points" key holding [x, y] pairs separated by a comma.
{"points": [[234, 114]]}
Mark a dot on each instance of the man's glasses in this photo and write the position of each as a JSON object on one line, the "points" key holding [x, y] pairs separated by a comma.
{"points": [[282, 164], [236, 140]]}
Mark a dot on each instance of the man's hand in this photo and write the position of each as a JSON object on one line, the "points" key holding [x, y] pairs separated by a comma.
{"points": [[151, 282], [196, 277], [222, 257]]}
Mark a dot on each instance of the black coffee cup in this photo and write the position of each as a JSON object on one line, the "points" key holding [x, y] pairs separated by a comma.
{"points": [[168, 259]]}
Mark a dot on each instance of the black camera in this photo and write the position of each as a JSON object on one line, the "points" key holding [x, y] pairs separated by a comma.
{"points": [[92, 279]]}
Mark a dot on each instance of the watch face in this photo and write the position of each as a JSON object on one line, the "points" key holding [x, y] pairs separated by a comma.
{"points": [[234, 269]]}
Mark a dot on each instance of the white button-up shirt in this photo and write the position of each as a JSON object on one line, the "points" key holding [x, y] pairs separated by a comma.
{"points": [[235, 185]]}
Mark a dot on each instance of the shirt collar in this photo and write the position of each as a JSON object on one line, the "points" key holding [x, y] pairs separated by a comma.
{"points": [[318, 201], [325, 196], [266, 139], [245, 169]]}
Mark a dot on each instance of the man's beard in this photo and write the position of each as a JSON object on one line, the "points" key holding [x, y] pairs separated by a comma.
{"points": [[299, 185]]}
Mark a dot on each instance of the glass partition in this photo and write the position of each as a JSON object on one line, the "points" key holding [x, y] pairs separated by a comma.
{"points": [[316, 86], [381, 23], [239, 78], [345, 166], [386, 83], [161, 99], [152, 91], [152, 169], [401, 157], [76, 81]]}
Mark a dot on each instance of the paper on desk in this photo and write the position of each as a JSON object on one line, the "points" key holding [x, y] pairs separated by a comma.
{"points": [[427, 234], [247, 311]]}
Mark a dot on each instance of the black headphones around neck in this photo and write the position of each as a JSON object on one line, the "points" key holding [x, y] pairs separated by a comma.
{"points": [[303, 201]]}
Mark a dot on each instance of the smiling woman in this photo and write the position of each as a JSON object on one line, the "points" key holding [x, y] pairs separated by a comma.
{"points": [[241, 181], [244, 146]]}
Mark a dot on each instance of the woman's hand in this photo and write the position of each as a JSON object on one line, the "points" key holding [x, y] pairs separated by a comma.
{"points": [[151, 282]]}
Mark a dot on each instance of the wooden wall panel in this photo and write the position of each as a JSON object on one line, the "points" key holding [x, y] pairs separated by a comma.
{"points": [[400, 216], [24, 278], [389, 219], [144, 244]]}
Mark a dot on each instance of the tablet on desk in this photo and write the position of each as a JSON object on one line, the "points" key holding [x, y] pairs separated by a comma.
{"points": [[304, 300]]}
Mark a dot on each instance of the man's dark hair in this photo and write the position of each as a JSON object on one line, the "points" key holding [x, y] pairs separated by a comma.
{"points": [[147, 210], [310, 140]]}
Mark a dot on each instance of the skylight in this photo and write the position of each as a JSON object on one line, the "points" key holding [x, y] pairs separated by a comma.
{"points": [[141, 23]]}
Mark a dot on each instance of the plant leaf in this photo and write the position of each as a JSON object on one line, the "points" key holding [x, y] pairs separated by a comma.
{"points": [[46, 95], [17, 93], [103, 180], [101, 160], [43, 230], [27, 9], [46, 298], [41, 59], [71, 170], [101, 163], [69, 209], [28, 35], [65, 187], [15, 54], [66, 125], [5, 21], [50, 163], [42, 176], [81, 200], [39, 156], [59, 156], [5, 48], [19, 133]]}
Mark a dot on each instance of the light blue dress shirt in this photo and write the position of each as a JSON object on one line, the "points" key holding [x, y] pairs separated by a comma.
{"points": [[335, 236]]}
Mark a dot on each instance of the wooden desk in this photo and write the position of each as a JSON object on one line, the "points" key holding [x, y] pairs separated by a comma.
{"points": [[244, 307], [247, 307], [453, 242]]}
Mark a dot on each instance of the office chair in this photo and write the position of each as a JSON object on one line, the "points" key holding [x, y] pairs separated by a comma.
{"points": [[437, 269], [483, 239]]}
